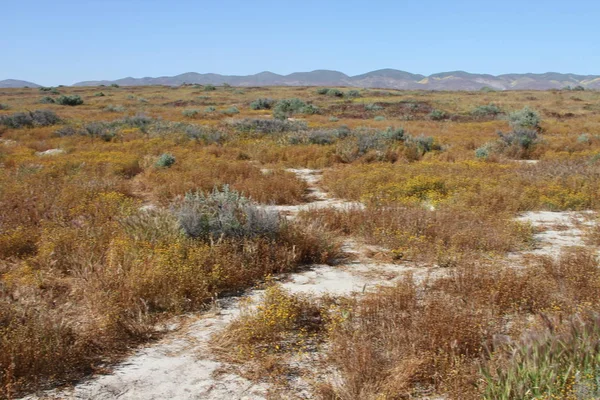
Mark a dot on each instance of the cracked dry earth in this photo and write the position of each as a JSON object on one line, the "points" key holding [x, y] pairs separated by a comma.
{"points": [[181, 365]]}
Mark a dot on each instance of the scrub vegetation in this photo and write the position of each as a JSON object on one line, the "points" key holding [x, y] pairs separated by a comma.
{"points": [[122, 210]]}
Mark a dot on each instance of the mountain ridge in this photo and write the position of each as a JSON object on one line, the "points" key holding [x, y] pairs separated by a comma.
{"points": [[387, 78]]}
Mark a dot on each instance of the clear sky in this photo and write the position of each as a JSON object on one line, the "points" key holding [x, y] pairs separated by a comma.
{"points": [[53, 42]]}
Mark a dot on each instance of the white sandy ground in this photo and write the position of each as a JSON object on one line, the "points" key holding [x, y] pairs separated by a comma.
{"points": [[556, 231], [181, 366]]}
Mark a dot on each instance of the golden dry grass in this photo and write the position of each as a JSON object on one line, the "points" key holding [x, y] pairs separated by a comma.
{"points": [[77, 283]]}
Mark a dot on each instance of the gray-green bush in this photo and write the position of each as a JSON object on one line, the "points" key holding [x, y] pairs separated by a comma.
{"points": [[224, 213], [72, 100], [525, 118]]}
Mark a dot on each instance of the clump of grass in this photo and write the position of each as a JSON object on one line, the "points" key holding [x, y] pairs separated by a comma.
{"points": [[562, 361]]}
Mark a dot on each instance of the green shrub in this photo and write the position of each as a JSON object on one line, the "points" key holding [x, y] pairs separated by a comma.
{"points": [[379, 118], [335, 93], [165, 160], [231, 111], [490, 110], [525, 118], [373, 107], [262, 104], [30, 119], [4, 106], [114, 85], [47, 100], [322, 90], [352, 94], [260, 125], [333, 119], [209, 88], [210, 109], [73, 100], [99, 94], [287, 107], [190, 112], [437, 115]]}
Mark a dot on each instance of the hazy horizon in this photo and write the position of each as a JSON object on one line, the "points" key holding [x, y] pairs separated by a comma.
{"points": [[66, 41]]}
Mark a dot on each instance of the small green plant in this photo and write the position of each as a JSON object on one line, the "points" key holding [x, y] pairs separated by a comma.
{"points": [[322, 90], [333, 119], [379, 118], [490, 110], [437, 115], [165, 160], [114, 85], [99, 94], [231, 111], [262, 104], [287, 107], [373, 107], [4, 106], [335, 93], [190, 112], [352, 94], [209, 88], [72, 100], [210, 109], [47, 100]]}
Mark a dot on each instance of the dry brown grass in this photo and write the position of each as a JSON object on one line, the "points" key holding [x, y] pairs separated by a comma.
{"points": [[78, 284], [406, 341]]}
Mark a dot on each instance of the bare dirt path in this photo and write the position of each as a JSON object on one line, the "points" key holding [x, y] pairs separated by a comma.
{"points": [[181, 366]]}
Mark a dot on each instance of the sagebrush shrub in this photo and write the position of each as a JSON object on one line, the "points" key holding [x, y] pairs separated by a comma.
{"points": [[190, 112], [72, 100], [165, 160], [262, 104], [490, 110], [30, 119], [525, 118], [437, 115], [224, 213], [47, 100], [268, 125], [288, 107]]}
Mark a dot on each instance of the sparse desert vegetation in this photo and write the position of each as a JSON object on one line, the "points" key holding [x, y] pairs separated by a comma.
{"points": [[127, 209]]}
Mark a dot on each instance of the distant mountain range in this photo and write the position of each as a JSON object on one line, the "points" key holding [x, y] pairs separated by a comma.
{"points": [[383, 78], [14, 83]]}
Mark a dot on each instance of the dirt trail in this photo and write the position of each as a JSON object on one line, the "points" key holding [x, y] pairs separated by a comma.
{"points": [[556, 231], [181, 366]]}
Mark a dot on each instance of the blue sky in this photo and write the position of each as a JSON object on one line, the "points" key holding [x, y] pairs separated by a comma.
{"points": [[65, 41]]}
